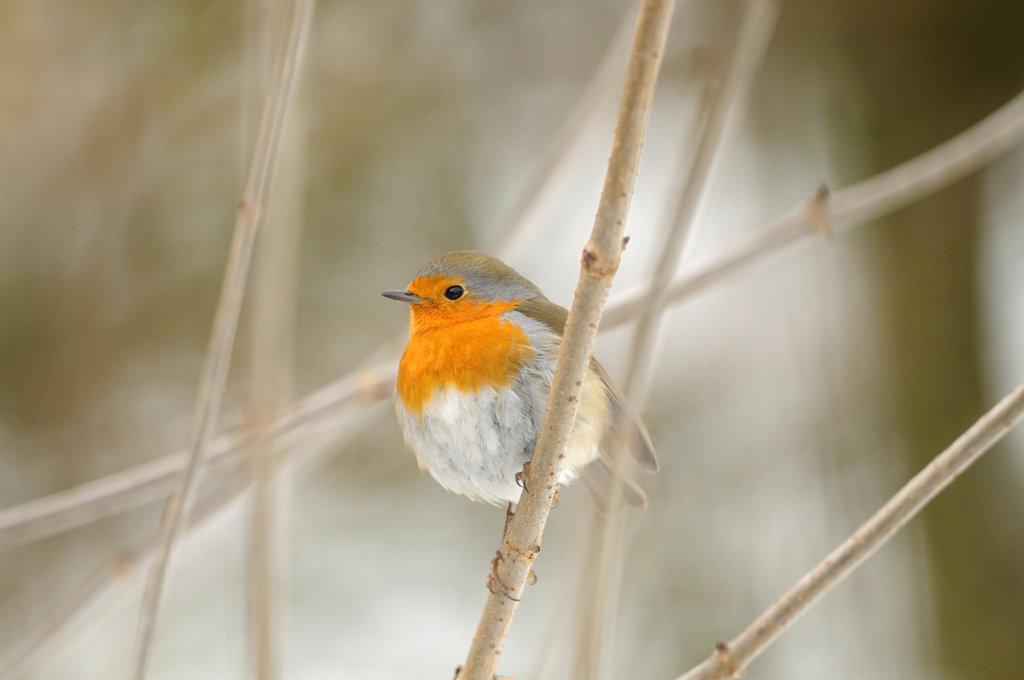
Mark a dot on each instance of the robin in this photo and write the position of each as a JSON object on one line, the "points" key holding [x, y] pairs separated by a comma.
{"points": [[474, 380]]}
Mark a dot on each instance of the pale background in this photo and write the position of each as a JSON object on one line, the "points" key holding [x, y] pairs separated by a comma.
{"points": [[790, 402]]}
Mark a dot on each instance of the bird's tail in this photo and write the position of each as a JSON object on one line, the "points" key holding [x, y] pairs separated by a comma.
{"points": [[599, 481]]}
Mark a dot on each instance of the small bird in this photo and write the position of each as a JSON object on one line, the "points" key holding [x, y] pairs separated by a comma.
{"points": [[474, 381]]}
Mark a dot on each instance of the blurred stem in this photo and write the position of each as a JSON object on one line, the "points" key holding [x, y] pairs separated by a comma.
{"points": [[259, 181], [603, 560], [730, 659], [273, 328]]}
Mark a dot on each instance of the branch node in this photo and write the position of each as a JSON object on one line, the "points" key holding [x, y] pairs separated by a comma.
{"points": [[246, 209], [592, 263], [817, 212], [724, 656], [122, 563], [526, 554], [370, 389]]}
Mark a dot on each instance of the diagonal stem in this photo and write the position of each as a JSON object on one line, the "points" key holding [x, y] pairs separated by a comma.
{"points": [[729, 659]]}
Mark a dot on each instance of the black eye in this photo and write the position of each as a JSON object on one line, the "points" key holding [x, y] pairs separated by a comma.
{"points": [[454, 292]]}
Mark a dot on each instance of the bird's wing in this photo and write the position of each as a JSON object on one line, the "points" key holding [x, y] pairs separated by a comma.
{"points": [[626, 424]]}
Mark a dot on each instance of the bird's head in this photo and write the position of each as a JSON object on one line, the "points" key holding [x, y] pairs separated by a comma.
{"points": [[460, 286]]}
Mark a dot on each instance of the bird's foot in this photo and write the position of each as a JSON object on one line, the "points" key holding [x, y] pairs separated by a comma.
{"points": [[556, 499], [521, 476], [494, 582]]}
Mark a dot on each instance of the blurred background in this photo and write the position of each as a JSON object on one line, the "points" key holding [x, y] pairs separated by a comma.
{"points": [[790, 401]]}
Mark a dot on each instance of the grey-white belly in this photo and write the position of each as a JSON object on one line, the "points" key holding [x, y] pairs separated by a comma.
{"points": [[475, 443]]}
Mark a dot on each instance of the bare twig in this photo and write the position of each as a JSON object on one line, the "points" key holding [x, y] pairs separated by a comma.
{"points": [[604, 555], [600, 261], [271, 385], [729, 659], [851, 206], [275, 280], [280, 98]]}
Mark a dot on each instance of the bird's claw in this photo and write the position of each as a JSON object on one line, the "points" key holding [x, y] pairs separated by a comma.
{"points": [[509, 514], [494, 583], [521, 476]]}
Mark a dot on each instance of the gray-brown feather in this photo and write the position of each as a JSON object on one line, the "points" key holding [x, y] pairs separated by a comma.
{"points": [[626, 424]]}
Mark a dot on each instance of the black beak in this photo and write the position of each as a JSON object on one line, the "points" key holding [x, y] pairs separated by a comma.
{"points": [[402, 296]]}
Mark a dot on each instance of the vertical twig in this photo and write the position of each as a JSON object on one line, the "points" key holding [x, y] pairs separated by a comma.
{"points": [[599, 262], [729, 659], [280, 98], [604, 556], [273, 359]]}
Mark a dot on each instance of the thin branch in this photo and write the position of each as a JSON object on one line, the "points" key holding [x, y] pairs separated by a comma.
{"points": [[280, 98], [275, 281], [605, 554], [855, 205], [267, 540], [729, 659], [601, 256]]}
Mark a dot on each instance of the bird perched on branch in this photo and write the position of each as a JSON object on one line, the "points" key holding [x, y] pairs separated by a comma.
{"points": [[474, 381]]}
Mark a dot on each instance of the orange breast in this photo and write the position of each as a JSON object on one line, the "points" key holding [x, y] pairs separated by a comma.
{"points": [[481, 350]]}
